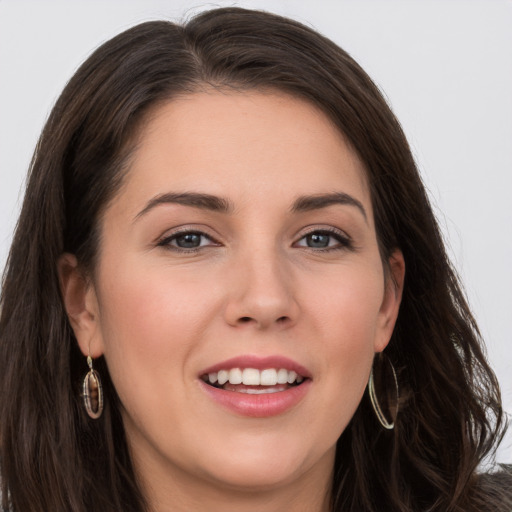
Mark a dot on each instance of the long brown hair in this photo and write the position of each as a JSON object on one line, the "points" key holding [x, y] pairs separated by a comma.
{"points": [[53, 457]]}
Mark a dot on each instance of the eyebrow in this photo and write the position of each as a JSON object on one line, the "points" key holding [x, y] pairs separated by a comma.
{"points": [[318, 201], [194, 199], [222, 205]]}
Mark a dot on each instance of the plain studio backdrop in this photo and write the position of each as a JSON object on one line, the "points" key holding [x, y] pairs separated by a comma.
{"points": [[444, 65]]}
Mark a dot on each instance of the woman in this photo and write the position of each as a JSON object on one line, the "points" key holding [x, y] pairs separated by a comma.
{"points": [[223, 230]]}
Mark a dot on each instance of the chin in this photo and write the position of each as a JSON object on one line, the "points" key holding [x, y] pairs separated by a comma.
{"points": [[249, 476], [268, 466]]}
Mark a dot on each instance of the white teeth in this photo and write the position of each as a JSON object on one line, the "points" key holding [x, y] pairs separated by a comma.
{"points": [[254, 377], [291, 377], [223, 377], [250, 377], [268, 377], [235, 376], [282, 376]]}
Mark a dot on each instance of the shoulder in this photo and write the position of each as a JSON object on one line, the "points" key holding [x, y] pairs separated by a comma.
{"points": [[496, 488]]}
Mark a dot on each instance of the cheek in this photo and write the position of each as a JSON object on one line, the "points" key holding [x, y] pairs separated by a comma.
{"points": [[346, 321], [151, 298], [148, 318], [346, 305]]}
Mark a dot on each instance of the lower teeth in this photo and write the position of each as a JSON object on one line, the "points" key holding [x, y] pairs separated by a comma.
{"points": [[254, 391]]}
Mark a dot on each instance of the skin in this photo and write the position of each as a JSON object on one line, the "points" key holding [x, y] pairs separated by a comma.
{"points": [[254, 286]]}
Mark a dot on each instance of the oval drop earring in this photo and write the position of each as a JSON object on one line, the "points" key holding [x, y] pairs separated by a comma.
{"points": [[92, 392]]}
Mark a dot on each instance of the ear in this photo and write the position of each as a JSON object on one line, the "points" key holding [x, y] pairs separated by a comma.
{"points": [[81, 304], [393, 288]]}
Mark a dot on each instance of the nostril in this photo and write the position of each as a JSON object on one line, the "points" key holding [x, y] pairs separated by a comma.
{"points": [[282, 320]]}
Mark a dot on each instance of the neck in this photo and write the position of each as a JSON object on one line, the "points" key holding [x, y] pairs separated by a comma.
{"points": [[235, 501]]}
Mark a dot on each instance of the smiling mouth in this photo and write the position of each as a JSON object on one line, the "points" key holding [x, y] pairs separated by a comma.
{"points": [[253, 381]]}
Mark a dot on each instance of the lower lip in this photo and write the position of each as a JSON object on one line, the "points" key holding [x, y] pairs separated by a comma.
{"points": [[258, 406]]}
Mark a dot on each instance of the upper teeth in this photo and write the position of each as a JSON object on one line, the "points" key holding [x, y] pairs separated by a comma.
{"points": [[253, 377]]}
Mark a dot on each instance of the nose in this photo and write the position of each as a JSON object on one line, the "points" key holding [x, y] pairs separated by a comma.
{"points": [[262, 293]]}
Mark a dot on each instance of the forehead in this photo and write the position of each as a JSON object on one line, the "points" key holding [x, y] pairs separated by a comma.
{"points": [[243, 144]]}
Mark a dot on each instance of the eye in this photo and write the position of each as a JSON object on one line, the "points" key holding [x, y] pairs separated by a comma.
{"points": [[187, 241], [324, 239]]}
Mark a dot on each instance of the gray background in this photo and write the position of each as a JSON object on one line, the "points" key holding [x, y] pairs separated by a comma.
{"points": [[445, 66]]}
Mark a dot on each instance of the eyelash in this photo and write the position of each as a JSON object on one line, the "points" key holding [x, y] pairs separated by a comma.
{"points": [[344, 241], [166, 242]]}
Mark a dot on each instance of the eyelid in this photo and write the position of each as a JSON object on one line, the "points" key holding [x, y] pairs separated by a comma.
{"points": [[308, 230], [344, 240], [165, 239]]}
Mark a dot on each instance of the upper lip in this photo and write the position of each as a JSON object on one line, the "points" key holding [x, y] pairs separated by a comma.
{"points": [[259, 363]]}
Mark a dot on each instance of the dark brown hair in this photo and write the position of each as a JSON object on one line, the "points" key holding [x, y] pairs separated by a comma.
{"points": [[53, 457]]}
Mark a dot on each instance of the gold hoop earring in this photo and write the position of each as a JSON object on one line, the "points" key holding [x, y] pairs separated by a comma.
{"points": [[92, 392], [375, 402]]}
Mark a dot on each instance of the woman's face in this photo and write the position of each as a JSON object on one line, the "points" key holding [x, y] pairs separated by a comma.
{"points": [[242, 246]]}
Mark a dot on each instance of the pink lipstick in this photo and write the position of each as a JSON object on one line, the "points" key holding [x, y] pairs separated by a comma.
{"points": [[256, 386]]}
